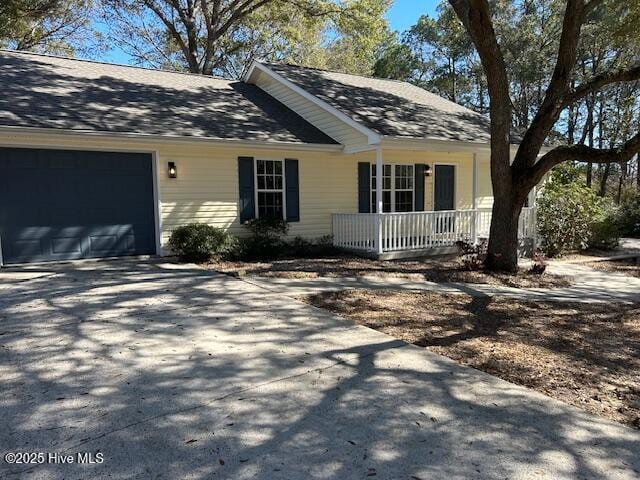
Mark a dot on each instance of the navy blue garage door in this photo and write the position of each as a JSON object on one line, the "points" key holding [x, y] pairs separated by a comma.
{"points": [[63, 204]]}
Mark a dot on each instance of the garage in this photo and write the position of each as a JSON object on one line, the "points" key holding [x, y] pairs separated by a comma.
{"points": [[67, 204]]}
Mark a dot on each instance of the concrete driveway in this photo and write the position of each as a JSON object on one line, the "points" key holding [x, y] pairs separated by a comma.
{"points": [[174, 372]]}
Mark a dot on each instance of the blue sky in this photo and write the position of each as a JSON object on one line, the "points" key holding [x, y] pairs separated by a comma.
{"points": [[402, 15]]}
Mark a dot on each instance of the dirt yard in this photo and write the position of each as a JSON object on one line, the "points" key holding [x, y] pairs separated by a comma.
{"points": [[629, 267], [585, 355], [441, 269]]}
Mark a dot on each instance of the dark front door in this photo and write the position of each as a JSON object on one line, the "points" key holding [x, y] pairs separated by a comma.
{"points": [[64, 204], [444, 189], [444, 195]]}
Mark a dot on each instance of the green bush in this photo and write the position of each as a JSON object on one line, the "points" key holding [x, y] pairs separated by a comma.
{"points": [[303, 248], [266, 239], [629, 216], [198, 242], [572, 217]]}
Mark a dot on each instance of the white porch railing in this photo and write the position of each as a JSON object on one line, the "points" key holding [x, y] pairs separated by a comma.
{"points": [[391, 232]]}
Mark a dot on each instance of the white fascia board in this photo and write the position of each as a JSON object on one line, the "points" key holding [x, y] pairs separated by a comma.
{"points": [[406, 143], [372, 137], [25, 133]]}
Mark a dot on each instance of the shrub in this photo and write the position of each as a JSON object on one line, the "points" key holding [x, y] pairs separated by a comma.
{"points": [[539, 263], [629, 216], [473, 255], [570, 216], [304, 248], [266, 240], [198, 242]]}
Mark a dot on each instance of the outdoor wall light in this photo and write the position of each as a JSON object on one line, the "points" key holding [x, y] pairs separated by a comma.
{"points": [[173, 170], [427, 170]]}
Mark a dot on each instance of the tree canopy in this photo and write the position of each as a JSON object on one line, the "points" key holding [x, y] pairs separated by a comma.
{"points": [[221, 36], [52, 26]]}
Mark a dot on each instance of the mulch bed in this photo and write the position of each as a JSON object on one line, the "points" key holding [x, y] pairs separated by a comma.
{"points": [[584, 355], [628, 267], [441, 269]]}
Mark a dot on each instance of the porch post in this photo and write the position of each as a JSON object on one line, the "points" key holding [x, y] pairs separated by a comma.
{"points": [[474, 200], [379, 199]]}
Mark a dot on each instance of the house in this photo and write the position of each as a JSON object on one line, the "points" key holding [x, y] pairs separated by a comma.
{"points": [[102, 160]]}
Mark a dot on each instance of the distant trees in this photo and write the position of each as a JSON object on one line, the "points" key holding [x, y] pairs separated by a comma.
{"points": [[221, 36]]}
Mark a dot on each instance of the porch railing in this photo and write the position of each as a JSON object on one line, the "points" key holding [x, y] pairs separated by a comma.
{"points": [[390, 232]]}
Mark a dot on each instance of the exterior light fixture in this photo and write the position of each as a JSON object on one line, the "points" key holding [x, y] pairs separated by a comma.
{"points": [[173, 170], [427, 170]]}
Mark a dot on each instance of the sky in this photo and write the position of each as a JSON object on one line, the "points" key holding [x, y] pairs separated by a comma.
{"points": [[402, 15]]}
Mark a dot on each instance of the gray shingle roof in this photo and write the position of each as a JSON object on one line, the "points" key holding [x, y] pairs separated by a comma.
{"points": [[54, 92], [390, 107]]}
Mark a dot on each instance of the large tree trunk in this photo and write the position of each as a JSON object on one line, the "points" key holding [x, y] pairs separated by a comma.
{"points": [[502, 254]]}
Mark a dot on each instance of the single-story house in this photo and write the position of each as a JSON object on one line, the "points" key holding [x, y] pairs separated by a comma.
{"points": [[102, 160]]}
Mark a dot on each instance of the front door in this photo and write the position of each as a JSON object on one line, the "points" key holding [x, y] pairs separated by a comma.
{"points": [[444, 189], [444, 195]]}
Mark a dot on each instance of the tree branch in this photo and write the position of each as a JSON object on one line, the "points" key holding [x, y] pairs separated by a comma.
{"points": [[584, 153], [548, 113], [599, 81]]}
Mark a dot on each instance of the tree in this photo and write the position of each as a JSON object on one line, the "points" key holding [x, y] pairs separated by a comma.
{"points": [[221, 36], [395, 60], [512, 181], [48, 26]]}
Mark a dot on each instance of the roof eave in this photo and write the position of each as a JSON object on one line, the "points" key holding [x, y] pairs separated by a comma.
{"points": [[146, 139]]}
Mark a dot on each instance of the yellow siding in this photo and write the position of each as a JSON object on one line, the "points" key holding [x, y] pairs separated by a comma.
{"points": [[485, 191], [320, 118], [464, 172], [206, 189]]}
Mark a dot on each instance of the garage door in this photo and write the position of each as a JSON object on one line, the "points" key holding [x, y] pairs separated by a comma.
{"points": [[63, 205]]}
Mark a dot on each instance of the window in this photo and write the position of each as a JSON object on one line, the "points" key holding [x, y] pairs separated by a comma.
{"points": [[270, 188], [397, 188]]}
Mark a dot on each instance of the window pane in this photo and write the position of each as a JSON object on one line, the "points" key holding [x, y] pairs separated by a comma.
{"points": [[386, 201], [261, 183], [278, 167], [270, 204], [404, 201], [278, 183], [260, 166]]}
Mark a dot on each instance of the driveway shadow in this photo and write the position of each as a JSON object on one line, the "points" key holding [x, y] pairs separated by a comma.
{"points": [[176, 372]]}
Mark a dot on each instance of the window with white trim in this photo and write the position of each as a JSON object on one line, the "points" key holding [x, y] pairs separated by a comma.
{"points": [[270, 188], [397, 188]]}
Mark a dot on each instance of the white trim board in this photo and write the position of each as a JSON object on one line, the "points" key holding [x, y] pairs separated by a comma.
{"points": [[151, 141]]}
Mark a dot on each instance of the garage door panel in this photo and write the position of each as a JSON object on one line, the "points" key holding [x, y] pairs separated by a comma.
{"points": [[66, 245], [57, 204]]}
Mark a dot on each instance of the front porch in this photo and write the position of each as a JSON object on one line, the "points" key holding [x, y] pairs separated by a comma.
{"points": [[402, 235]]}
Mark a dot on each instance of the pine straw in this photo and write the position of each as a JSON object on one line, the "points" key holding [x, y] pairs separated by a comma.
{"points": [[441, 269], [628, 267], [584, 355]]}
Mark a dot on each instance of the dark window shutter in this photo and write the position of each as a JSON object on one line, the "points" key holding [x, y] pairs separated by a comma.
{"points": [[419, 187], [364, 187], [247, 196], [292, 189]]}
